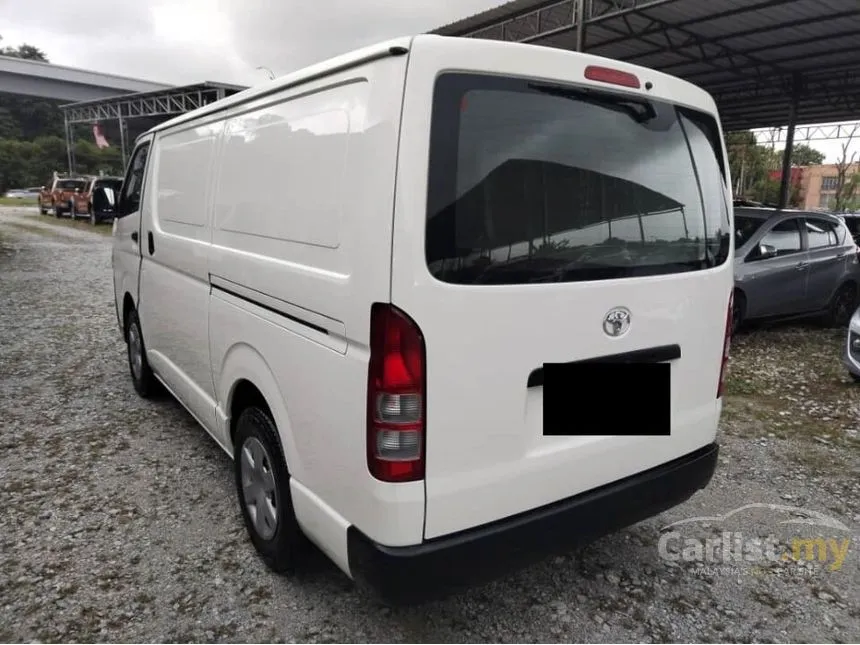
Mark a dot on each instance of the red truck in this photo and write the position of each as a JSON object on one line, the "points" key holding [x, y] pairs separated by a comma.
{"points": [[97, 200], [57, 194]]}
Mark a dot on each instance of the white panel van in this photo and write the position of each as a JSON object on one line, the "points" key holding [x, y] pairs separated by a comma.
{"points": [[449, 304]]}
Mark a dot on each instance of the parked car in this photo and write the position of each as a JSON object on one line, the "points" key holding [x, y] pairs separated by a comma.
{"points": [[57, 195], [792, 263], [22, 193], [402, 355], [852, 221], [851, 357], [97, 200]]}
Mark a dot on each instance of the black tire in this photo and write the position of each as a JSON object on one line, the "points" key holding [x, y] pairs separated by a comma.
{"points": [[854, 377], [142, 377], [56, 210], [739, 310], [281, 542], [842, 306], [42, 209]]}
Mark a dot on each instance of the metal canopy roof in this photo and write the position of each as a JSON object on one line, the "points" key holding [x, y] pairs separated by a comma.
{"points": [[161, 103], [751, 55]]}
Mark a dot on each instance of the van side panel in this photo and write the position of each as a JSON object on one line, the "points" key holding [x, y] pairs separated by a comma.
{"points": [[301, 248], [174, 281], [486, 455]]}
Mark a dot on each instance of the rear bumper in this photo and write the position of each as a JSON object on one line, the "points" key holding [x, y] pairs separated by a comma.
{"points": [[404, 575]]}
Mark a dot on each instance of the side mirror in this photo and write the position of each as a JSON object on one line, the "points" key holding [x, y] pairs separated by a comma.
{"points": [[766, 251]]}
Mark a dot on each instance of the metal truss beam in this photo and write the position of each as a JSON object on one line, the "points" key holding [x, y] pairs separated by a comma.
{"points": [[652, 29], [804, 133], [696, 49], [559, 17], [168, 103]]}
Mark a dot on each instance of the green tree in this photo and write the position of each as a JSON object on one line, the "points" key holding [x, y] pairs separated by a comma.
{"points": [[23, 117], [847, 176], [803, 155], [749, 162]]}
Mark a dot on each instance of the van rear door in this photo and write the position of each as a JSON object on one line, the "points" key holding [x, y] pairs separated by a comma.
{"points": [[559, 221]]}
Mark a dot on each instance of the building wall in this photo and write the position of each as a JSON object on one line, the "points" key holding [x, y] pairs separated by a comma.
{"points": [[818, 186]]}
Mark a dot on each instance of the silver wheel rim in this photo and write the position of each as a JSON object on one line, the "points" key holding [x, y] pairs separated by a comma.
{"points": [[259, 492], [135, 351]]}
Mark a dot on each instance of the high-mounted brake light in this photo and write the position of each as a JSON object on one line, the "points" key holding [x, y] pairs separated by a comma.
{"points": [[727, 342], [612, 76], [395, 396]]}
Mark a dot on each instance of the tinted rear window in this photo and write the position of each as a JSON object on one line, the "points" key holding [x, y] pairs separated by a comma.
{"points": [[543, 183], [70, 184]]}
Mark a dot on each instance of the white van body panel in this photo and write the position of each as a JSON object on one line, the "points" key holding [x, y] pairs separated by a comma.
{"points": [[125, 252], [174, 273], [275, 255], [279, 215], [486, 455]]}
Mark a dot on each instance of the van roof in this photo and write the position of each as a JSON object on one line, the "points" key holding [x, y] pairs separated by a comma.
{"points": [[379, 50], [294, 78]]}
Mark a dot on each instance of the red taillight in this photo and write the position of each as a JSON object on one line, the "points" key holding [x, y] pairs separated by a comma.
{"points": [[395, 396], [613, 76], [727, 342]]}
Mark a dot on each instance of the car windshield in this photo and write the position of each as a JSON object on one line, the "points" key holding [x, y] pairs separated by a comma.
{"points": [[543, 183], [745, 228], [70, 184]]}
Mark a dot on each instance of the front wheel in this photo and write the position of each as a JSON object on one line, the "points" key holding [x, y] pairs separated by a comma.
{"points": [[141, 374], [842, 306], [263, 489]]}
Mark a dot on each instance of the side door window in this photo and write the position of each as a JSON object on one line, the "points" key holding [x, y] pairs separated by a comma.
{"points": [[132, 188], [784, 237], [822, 234]]}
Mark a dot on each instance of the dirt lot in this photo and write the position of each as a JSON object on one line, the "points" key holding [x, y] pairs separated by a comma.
{"points": [[120, 523]]}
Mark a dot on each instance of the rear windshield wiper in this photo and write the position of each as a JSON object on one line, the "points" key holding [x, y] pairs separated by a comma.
{"points": [[639, 110]]}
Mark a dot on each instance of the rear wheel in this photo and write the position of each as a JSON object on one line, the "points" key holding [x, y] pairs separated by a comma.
{"points": [[263, 488], [842, 306], [141, 374]]}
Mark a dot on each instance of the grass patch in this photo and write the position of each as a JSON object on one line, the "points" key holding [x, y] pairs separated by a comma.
{"points": [[789, 382], [13, 201], [64, 222]]}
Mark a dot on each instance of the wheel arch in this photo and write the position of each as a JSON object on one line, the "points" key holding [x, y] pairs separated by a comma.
{"points": [[127, 307], [245, 378]]}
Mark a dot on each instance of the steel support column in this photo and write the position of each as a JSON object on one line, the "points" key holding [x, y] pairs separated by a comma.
{"points": [[70, 145], [785, 178], [122, 141], [580, 25]]}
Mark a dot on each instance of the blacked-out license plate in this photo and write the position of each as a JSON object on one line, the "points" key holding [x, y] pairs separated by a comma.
{"points": [[605, 399]]}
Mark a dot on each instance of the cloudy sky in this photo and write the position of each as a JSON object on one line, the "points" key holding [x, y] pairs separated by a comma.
{"points": [[189, 41]]}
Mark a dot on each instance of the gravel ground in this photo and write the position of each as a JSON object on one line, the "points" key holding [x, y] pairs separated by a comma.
{"points": [[120, 523]]}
